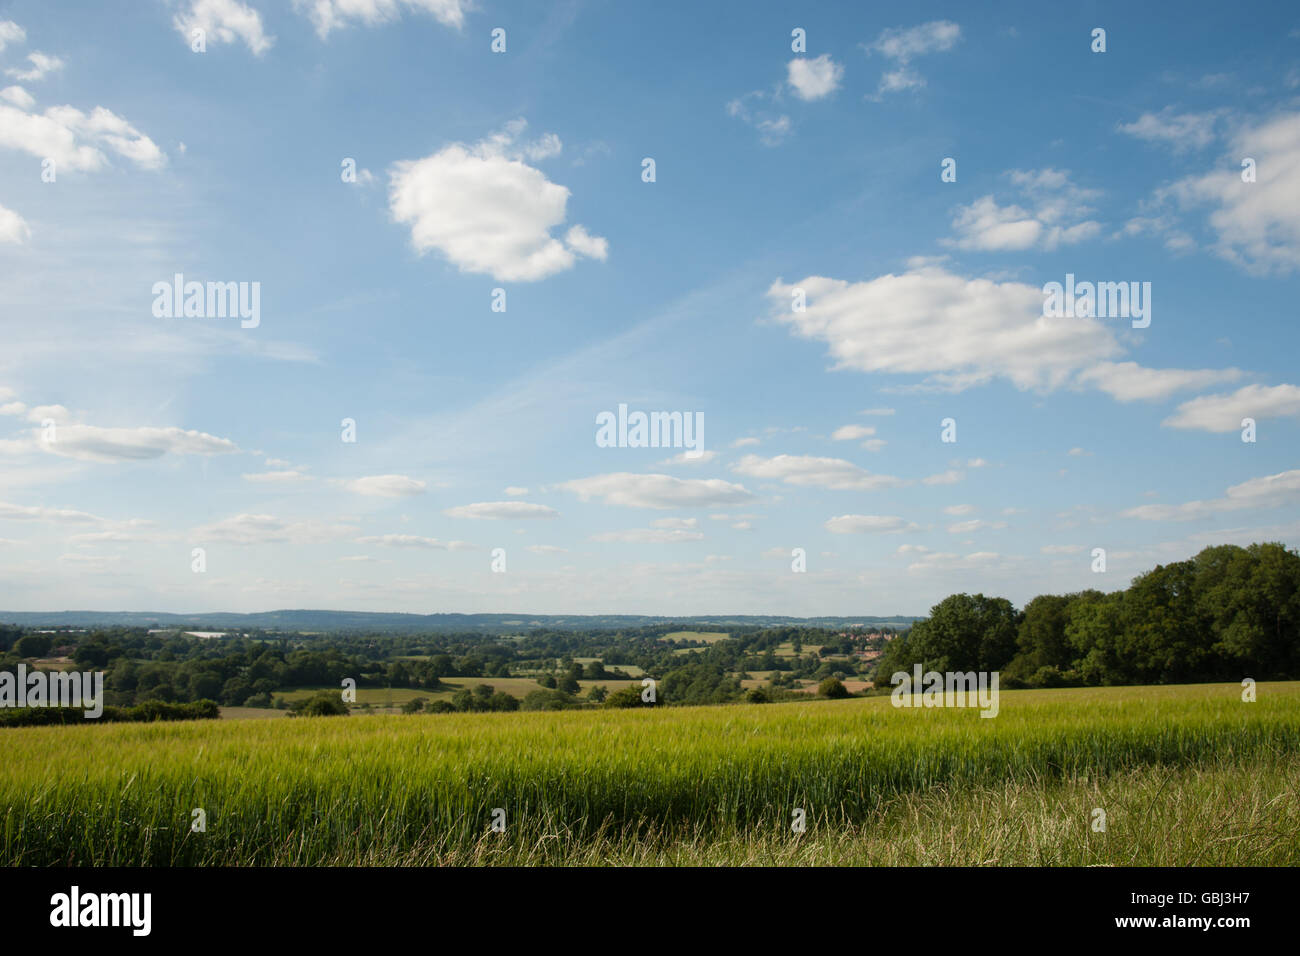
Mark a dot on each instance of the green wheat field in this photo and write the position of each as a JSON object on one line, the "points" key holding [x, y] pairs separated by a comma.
{"points": [[1185, 775]]}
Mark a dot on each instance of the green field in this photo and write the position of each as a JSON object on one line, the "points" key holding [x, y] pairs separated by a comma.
{"points": [[1186, 775], [393, 698]]}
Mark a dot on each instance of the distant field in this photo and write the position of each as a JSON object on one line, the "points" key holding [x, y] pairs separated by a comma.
{"points": [[707, 637], [394, 698], [1186, 775], [251, 713], [787, 649]]}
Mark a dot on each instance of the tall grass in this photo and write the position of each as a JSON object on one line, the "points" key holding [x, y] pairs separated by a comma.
{"points": [[422, 788]]}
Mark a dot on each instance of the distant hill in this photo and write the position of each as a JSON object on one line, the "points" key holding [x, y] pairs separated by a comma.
{"points": [[377, 621]]}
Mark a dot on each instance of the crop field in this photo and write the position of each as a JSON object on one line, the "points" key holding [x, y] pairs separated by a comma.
{"points": [[1185, 774]]}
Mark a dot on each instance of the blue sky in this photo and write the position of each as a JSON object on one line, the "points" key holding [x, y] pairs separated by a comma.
{"points": [[129, 439]]}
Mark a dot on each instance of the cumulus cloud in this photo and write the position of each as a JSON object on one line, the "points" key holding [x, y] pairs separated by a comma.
{"points": [[902, 45], [1055, 215], [975, 524], [414, 541], [224, 21], [851, 432], [1179, 131], [12, 512], [90, 443], [11, 32], [649, 536], [690, 458], [73, 139], [251, 529], [328, 15], [386, 486], [814, 79], [1257, 224], [501, 510], [1223, 413], [960, 333], [1128, 381], [679, 523], [13, 227], [868, 524], [487, 211], [657, 491], [42, 64], [806, 470]]}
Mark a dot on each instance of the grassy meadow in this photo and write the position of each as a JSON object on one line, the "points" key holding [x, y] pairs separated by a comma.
{"points": [[1186, 775]]}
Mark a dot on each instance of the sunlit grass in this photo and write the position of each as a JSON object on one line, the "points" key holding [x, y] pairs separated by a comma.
{"points": [[669, 784]]}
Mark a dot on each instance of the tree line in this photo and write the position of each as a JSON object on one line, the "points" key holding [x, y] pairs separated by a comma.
{"points": [[1225, 614]]}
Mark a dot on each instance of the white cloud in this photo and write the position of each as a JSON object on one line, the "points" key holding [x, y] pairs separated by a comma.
{"points": [[13, 227], [813, 79], [515, 491], [958, 332], [1223, 413], [976, 463], [1061, 548], [937, 36], [268, 529], [678, 523], [593, 247], [73, 139], [959, 510], [413, 541], [12, 512], [949, 477], [1180, 131], [1270, 491], [851, 432], [744, 442], [685, 458], [501, 510], [546, 549], [42, 64], [487, 211], [327, 15], [90, 443], [868, 524], [902, 45], [18, 96], [11, 32], [657, 491], [224, 21], [975, 524], [772, 128], [386, 486], [1128, 381], [876, 411], [1056, 217], [806, 470], [649, 536], [1258, 224]]}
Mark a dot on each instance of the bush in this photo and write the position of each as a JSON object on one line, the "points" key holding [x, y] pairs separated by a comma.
{"points": [[324, 704], [832, 688], [414, 705]]}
